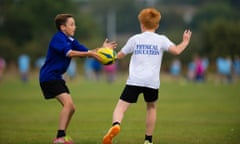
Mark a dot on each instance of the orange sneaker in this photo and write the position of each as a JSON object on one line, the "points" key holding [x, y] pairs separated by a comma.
{"points": [[113, 131]]}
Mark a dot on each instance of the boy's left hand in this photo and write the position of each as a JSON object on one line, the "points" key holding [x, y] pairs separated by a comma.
{"points": [[187, 36]]}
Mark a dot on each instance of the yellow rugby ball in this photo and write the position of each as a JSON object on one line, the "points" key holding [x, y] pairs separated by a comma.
{"points": [[107, 55]]}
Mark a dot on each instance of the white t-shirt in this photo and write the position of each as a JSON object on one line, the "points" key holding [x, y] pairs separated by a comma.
{"points": [[147, 50]]}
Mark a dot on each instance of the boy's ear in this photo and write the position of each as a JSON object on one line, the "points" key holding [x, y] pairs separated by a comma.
{"points": [[62, 27]]}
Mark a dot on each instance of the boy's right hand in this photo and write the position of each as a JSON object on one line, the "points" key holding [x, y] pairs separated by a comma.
{"points": [[109, 44]]}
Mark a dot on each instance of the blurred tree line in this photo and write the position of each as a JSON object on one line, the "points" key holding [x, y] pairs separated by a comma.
{"points": [[26, 26]]}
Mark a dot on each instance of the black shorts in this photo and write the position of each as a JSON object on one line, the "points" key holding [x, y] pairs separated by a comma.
{"points": [[130, 94], [51, 89]]}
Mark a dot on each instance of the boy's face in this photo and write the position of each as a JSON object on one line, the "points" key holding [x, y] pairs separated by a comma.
{"points": [[69, 27]]}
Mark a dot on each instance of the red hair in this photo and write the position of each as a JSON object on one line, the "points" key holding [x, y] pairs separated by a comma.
{"points": [[150, 18]]}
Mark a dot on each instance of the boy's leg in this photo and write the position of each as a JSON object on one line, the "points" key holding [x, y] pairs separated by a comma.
{"points": [[119, 110], [66, 112], [118, 115], [150, 120]]}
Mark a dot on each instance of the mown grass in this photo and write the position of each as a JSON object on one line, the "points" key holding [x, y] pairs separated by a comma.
{"points": [[188, 113]]}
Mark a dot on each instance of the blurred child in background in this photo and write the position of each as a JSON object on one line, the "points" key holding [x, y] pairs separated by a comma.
{"points": [[24, 67]]}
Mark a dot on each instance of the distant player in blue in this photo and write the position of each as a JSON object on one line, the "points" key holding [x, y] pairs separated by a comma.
{"points": [[72, 70], [236, 66], [24, 66], [224, 69], [61, 49], [175, 69]]}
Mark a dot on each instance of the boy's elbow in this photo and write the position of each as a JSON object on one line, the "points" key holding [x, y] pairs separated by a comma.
{"points": [[175, 51]]}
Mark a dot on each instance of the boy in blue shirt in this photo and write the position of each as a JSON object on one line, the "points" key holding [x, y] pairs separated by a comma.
{"points": [[61, 49]]}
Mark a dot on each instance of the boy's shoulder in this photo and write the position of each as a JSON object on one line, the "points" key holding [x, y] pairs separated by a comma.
{"points": [[59, 36], [148, 35]]}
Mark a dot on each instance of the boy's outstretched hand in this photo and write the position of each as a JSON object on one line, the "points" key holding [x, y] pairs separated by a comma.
{"points": [[109, 44], [187, 36]]}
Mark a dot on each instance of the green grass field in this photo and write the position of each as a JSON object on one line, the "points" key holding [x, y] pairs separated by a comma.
{"points": [[188, 113]]}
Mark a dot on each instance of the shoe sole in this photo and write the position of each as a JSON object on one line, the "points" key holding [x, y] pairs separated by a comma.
{"points": [[107, 139]]}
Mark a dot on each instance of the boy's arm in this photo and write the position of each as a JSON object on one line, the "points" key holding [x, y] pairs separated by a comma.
{"points": [[75, 53], [90, 53], [82, 51], [177, 49]]}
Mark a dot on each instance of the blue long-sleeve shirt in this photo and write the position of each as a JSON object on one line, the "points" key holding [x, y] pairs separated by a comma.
{"points": [[57, 62]]}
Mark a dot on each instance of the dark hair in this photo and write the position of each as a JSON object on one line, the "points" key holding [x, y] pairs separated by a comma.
{"points": [[61, 19]]}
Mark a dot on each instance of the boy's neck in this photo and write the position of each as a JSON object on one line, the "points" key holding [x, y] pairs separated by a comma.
{"points": [[144, 29], [152, 30]]}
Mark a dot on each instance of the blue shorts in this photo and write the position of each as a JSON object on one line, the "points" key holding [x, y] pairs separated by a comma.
{"points": [[51, 89], [130, 94]]}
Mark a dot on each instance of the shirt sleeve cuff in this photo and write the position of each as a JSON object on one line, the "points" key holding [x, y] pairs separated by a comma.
{"points": [[68, 52]]}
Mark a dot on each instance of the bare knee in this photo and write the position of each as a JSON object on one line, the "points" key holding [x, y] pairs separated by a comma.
{"points": [[73, 108], [70, 106]]}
